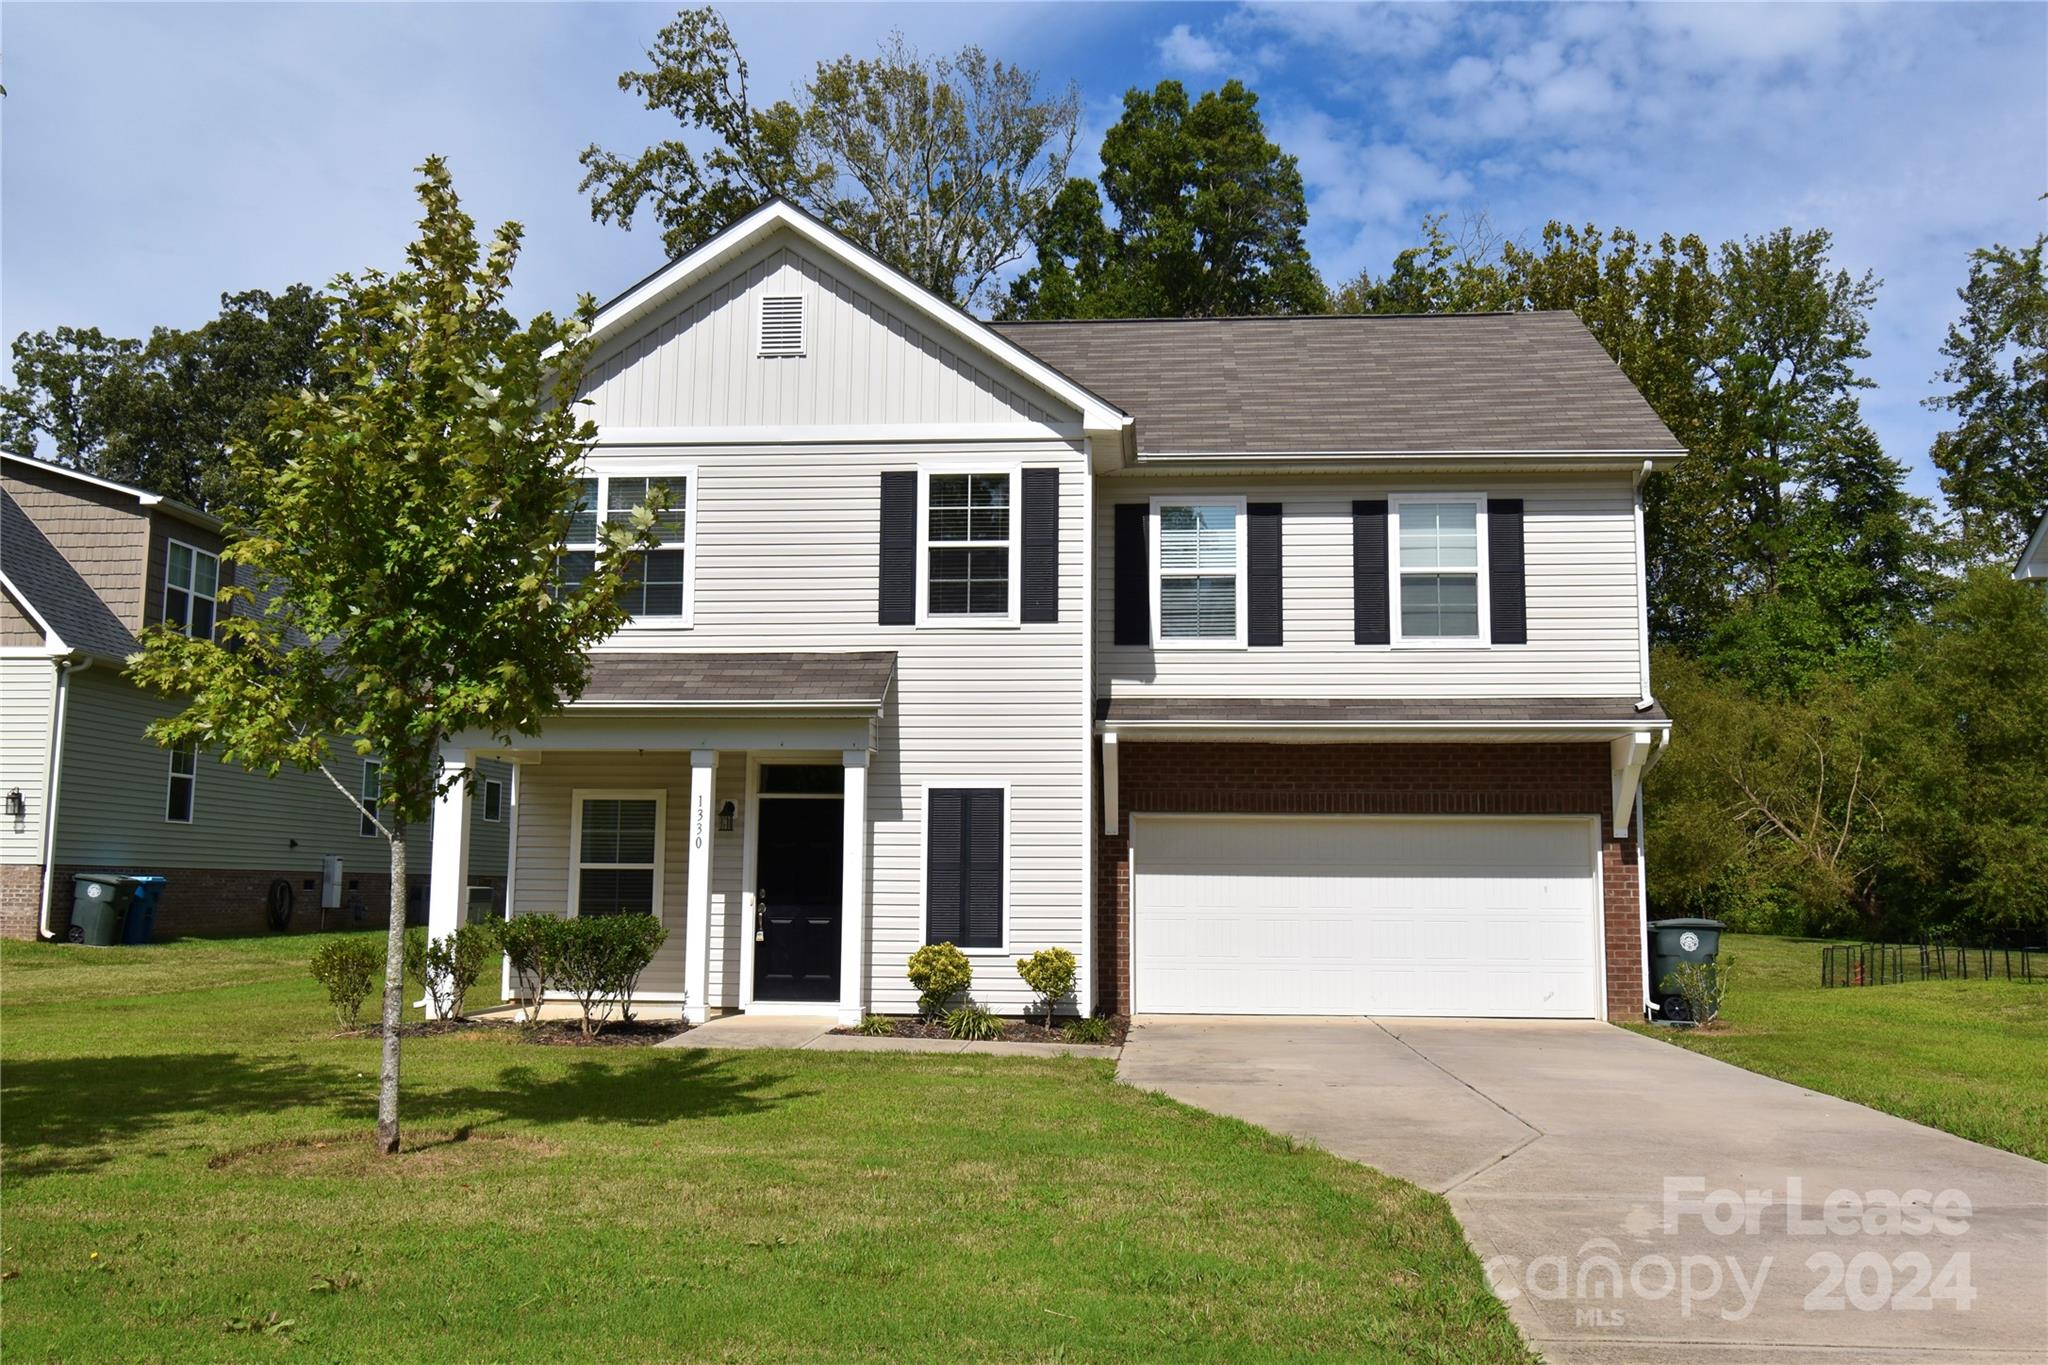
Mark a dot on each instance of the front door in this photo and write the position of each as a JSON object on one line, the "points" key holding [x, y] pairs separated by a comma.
{"points": [[796, 903]]}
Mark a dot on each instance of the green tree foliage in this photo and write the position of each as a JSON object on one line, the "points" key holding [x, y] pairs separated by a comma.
{"points": [[1994, 463], [937, 165], [419, 519], [1444, 274], [1209, 219], [162, 413]]}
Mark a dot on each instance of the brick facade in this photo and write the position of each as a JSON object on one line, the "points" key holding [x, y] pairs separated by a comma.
{"points": [[226, 902], [21, 898], [1365, 779]]}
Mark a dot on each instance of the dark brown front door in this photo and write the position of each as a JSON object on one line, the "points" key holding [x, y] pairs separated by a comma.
{"points": [[797, 850]]}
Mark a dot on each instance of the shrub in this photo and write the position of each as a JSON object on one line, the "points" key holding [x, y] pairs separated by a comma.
{"points": [[533, 944], [973, 1023], [1702, 986], [348, 968], [600, 962], [877, 1026], [1050, 972], [447, 967], [1092, 1030], [940, 971]]}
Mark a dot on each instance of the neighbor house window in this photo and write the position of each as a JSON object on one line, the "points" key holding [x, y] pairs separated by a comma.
{"points": [[658, 585], [1198, 570], [966, 849], [494, 800], [1439, 565], [191, 589], [967, 528], [184, 779], [373, 789], [618, 854]]}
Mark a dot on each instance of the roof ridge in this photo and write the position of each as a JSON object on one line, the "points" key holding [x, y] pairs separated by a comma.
{"points": [[1289, 317]]}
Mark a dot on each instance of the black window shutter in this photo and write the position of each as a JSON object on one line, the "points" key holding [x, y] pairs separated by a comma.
{"points": [[1262, 586], [964, 867], [897, 605], [1040, 586], [1508, 597], [1133, 576], [1370, 619]]}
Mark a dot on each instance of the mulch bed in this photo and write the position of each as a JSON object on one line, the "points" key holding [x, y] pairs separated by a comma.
{"points": [[1014, 1031]]}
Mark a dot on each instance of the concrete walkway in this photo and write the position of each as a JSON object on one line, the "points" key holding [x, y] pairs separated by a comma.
{"points": [[1637, 1202], [815, 1035]]}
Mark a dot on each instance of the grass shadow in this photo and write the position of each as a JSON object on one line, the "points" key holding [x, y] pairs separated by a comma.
{"points": [[640, 1088]]}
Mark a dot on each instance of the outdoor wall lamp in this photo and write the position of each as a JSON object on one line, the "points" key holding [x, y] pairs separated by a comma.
{"points": [[17, 808], [726, 814]]}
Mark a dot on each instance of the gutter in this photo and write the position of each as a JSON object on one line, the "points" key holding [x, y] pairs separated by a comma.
{"points": [[53, 777]]}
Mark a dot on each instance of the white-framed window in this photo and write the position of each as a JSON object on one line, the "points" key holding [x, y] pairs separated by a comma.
{"points": [[1198, 554], [494, 800], [967, 865], [967, 543], [183, 784], [372, 791], [191, 588], [1437, 544], [662, 587], [617, 838]]}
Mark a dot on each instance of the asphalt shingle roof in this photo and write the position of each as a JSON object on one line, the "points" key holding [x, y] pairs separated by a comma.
{"points": [[1462, 383], [794, 679], [36, 568], [1367, 711]]}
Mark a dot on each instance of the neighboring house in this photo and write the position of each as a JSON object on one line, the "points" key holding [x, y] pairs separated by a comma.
{"points": [[1274, 665], [2033, 565], [85, 565]]}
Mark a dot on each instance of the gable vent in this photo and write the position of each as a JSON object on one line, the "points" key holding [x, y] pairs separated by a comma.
{"points": [[782, 324]]}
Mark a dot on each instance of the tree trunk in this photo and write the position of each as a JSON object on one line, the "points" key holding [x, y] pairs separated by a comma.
{"points": [[394, 999]]}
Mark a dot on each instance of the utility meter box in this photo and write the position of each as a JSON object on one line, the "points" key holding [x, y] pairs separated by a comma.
{"points": [[330, 882]]}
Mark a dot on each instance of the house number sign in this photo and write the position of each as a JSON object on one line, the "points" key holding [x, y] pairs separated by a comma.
{"points": [[697, 817]]}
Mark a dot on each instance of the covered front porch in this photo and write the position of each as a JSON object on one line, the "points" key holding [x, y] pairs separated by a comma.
{"points": [[725, 794]]}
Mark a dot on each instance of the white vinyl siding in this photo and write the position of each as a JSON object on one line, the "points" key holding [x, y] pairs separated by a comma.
{"points": [[1579, 557], [28, 693]]}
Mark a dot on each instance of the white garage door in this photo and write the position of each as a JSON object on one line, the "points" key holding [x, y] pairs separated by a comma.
{"points": [[1351, 915]]}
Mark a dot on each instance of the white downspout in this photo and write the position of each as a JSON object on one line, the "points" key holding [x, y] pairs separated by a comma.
{"points": [[1643, 871], [54, 774], [1644, 701]]}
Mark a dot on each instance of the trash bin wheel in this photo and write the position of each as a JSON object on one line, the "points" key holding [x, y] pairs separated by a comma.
{"points": [[1674, 1008], [76, 934]]}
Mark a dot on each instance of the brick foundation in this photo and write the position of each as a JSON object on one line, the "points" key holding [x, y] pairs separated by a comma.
{"points": [[21, 898], [1365, 779], [215, 902]]}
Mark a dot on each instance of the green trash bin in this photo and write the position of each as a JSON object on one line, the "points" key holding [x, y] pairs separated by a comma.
{"points": [[99, 902], [1674, 941]]}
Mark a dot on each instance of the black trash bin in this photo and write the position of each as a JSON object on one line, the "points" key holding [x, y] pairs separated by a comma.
{"points": [[144, 893], [1676, 941]]}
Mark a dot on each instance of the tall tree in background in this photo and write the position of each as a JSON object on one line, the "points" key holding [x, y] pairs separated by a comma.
{"points": [[937, 165], [1443, 274], [1209, 219], [420, 518], [162, 413], [1994, 464]]}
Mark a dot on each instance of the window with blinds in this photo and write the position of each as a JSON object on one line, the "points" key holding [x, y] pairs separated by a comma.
{"points": [[1200, 559], [617, 848], [782, 325]]}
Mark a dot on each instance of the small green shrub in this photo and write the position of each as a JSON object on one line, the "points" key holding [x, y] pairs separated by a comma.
{"points": [[447, 967], [876, 1026], [600, 962], [973, 1023], [533, 945], [1702, 986], [348, 968], [1092, 1030], [1050, 972], [940, 971]]}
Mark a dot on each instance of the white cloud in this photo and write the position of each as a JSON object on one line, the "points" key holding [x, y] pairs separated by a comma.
{"points": [[1184, 50]]}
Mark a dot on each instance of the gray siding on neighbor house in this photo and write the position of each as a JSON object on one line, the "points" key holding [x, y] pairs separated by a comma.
{"points": [[28, 688], [1583, 604], [112, 800]]}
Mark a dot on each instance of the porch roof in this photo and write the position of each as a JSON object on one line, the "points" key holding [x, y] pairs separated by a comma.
{"points": [[757, 679]]}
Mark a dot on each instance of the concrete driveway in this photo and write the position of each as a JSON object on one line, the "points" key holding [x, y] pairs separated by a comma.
{"points": [[1637, 1202]]}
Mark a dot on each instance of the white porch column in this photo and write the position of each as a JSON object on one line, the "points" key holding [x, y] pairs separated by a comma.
{"points": [[448, 872], [853, 890], [697, 924]]}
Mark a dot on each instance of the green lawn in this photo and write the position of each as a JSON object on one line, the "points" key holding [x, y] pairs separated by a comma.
{"points": [[1970, 1057], [161, 1197]]}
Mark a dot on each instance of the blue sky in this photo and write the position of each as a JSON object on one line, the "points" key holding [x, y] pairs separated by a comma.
{"points": [[154, 156]]}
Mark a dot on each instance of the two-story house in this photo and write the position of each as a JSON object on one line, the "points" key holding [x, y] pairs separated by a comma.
{"points": [[85, 565], [1269, 665]]}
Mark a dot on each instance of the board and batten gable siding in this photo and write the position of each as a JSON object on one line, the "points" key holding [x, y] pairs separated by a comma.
{"points": [[863, 365], [104, 534], [1583, 603], [110, 809], [28, 692]]}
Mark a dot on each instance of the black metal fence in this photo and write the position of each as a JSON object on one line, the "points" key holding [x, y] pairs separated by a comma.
{"points": [[1888, 964]]}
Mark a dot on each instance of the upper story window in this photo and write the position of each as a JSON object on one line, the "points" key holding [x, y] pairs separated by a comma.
{"points": [[1198, 571], [494, 800], [1439, 560], [184, 778], [372, 792], [191, 589], [659, 588], [968, 532]]}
